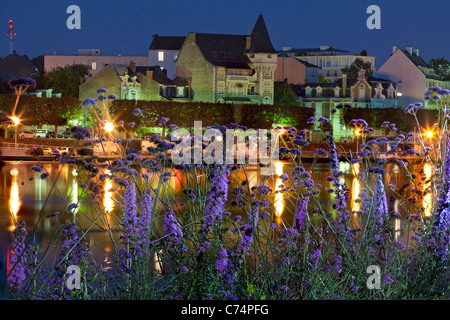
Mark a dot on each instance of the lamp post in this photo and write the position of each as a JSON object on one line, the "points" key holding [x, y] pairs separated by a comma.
{"points": [[357, 134], [16, 122]]}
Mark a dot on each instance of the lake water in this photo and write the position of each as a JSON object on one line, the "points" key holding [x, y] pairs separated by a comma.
{"points": [[33, 200]]}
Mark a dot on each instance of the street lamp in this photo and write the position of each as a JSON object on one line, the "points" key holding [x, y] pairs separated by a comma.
{"points": [[16, 122], [108, 127]]}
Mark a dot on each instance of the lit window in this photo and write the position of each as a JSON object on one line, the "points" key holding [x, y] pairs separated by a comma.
{"points": [[180, 91], [221, 72], [220, 87], [94, 65], [161, 56], [267, 88]]}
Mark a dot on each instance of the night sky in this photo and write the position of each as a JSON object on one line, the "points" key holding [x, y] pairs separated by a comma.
{"points": [[126, 27]]}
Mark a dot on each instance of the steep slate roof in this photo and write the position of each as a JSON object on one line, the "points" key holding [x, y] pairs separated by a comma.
{"points": [[307, 64], [166, 42], [223, 49], [260, 40], [419, 62], [318, 50], [230, 50], [159, 75]]}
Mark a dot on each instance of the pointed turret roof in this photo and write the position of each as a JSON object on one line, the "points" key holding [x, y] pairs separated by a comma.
{"points": [[260, 40]]}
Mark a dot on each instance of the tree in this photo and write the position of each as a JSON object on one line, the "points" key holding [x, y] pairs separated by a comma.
{"points": [[442, 67], [283, 95], [363, 53], [64, 80], [322, 79], [353, 70]]}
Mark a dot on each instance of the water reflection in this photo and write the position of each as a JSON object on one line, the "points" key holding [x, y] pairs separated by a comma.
{"points": [[14, 199], [74, 191], [428, 197], [279, 201], [108, 203], [356, 188]]}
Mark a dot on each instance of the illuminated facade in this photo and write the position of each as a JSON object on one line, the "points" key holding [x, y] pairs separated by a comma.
{"points": [[223, 68]]}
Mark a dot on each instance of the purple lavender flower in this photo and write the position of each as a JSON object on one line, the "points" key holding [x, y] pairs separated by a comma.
{"points": [[18, 260], [216, 197], [146, 217], [72, 206], [163, 121], [89, 102], [102, 90], [324, 120], [300, 214], [36, 169], [173, 228], [311, 120], [320, 152], [80, 133], [222, 260]]}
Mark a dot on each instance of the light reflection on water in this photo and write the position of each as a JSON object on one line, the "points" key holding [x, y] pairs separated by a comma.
{"points": [[25, 200]]}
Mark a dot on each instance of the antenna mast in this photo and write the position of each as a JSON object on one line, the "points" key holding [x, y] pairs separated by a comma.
{"points": [[11, 34]]}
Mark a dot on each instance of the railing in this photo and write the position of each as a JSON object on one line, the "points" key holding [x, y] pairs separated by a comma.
{"points": [[23, 146]]}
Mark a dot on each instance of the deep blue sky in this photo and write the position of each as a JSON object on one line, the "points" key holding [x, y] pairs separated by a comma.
{"points": [[126, 27]]}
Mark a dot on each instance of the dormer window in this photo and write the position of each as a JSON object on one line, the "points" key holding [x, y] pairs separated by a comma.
{"points": [[223, 54], [318, 92], [336, 92], [308, 91], [231, 54], [214, 53]]}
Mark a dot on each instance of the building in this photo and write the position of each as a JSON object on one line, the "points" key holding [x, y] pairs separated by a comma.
{"points": [[163, 52], [361, 92], [91, 58], [292, 70], [329, 59], [14, 66], [130, 82], [413, 74], [229, 68]]}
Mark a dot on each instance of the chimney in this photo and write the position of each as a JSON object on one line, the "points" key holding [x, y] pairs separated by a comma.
{"points": [[154, 36], [416, 52], [149, 74], [133, 66], [248, 42], [189, 88], [394, 48], [409, 49]]}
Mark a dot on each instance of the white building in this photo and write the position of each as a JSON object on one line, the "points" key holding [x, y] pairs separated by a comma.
{"points": [[413, 75], [91, 58], [163, 52], [329, 59]]}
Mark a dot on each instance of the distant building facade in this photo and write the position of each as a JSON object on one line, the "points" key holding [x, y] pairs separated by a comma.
{"points": [[91, 58], [292, 70], [223, 68], [414, 75], [329, 59], [361, 92], [135, 83], [163, 52]]}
